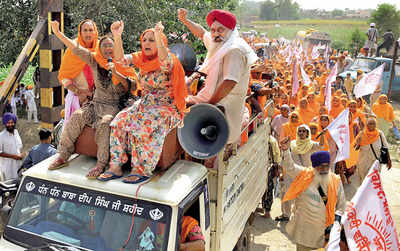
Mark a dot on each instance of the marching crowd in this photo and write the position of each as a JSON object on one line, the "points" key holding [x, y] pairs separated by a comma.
{"points": [[307, 97]]}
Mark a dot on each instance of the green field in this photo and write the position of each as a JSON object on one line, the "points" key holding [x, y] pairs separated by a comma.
{"points": [[339, 30]]}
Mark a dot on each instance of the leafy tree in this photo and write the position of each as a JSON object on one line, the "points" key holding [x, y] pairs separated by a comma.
{"points": [[269, 11], [386, 16], [279, 9], [337, 13], [19, 17], [357, 40]]}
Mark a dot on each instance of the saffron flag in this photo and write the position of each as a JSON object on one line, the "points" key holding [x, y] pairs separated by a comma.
{"points": [[328, 92], [367, 222], [369, 82], [340, 133], [295, 85]]}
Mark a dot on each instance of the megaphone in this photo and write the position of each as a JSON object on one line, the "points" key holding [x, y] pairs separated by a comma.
{"points": [[205, 131], [186, 56]]}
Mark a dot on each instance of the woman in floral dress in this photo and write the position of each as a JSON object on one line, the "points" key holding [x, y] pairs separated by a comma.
{"points": [[141, 128]]}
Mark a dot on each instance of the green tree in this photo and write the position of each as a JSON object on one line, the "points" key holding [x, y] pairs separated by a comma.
{"points": [[386, 16], [279, 9], [19, 17], [269, 11], [357, 40], [337, 13]]}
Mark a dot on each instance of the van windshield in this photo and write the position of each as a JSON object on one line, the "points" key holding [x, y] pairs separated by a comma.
{"points": [[45, 211], [364, 64]]}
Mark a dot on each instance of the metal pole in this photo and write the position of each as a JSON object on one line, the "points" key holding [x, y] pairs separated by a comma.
{"points": [[396, 46]]}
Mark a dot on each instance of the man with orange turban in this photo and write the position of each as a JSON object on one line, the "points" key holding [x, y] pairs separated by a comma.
{"points": [[227, 66], [75, 74]]}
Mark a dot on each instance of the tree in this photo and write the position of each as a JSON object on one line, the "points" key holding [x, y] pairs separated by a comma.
{"points": [[357, 41], [19, 17], [337, 13], [386, 16], [279, 9], [268, 11]]}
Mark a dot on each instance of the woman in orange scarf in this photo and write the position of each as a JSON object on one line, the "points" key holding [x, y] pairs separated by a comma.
{"points": [[75, 74], [306, 115], [99, 112], [289, 129], [369, 142], [382, 109], [191, 235], [336, 107], [142, 128]]}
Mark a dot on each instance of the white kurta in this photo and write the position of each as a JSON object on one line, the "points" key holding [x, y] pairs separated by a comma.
{"points": [[30, 100], [11, 144], [308, 221], [366, 156]]}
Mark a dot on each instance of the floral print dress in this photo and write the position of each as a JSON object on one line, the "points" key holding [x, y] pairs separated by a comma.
{"points": [[141, 128]]}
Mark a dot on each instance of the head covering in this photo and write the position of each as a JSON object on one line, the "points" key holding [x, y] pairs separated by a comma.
{"points": [[102, 61], [302, 146], [145, 64], [285, 107], [372, 25], [320, 157], [71, 64], [9, 116], [224, 17], [384, 111]]}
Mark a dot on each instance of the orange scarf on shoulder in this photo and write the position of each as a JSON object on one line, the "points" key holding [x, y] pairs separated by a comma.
{"points": [[384, 111], [304, 180], [71, 64], [177, 77], [188, 223], [369, 137]]}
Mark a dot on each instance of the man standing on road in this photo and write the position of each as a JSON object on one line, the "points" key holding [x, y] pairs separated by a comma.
{"points": [[227, 66], [372, 40], [42, 151], [10, 147], [319, 199]]}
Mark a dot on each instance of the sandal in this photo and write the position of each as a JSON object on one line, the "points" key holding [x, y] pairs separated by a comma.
{"points": [[282, 218], [139, 180], [58, 164], [95, 172], [103, 177]]}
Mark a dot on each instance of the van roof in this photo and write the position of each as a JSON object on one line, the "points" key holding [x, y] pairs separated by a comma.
{"points": [[170, 187]]}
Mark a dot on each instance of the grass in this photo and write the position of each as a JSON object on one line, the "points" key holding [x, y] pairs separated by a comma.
{"points": [[26, 79], [339, 30]]}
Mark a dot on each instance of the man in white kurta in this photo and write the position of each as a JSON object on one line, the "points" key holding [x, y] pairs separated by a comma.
{"points": [[227, 66], [10, 148], [309, 215], [30, 101]]}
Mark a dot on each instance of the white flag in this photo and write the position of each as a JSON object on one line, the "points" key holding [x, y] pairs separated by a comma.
{"points": [[295, 79], [369, 82], [368, 223], [340, 133], [304, 76], [315, 52], [328, 90]]}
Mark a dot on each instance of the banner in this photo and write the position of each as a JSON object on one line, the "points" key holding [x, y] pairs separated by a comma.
{"points": [[304, 76], [369, 82], [367, 222], [340, 133], [315, 52], [328, 90]]}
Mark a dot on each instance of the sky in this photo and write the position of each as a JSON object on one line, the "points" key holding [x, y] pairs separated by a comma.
{"points": [[343, 4]]}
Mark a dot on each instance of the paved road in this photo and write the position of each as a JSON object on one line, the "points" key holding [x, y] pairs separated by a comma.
{"points": [[268, 235]]}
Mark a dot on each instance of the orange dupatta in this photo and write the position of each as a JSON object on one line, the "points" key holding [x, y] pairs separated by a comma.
{"points": [[384, 111], [71, 64], [368, 137], [188, 223], [177, 77], [304, 180]]}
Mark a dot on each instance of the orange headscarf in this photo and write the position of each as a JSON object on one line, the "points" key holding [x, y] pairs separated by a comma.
{"points": [[384, 111], [102, 61], [289, 129], [336, 110], [145, 64], [304, 180], [71, 64], [368, 137], [188, 223]]}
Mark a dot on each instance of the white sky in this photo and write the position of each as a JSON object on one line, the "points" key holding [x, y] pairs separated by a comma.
{"points": [[342, 4]]}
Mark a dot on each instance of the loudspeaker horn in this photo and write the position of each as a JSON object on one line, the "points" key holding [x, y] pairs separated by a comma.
{"points": [[205, 131]]}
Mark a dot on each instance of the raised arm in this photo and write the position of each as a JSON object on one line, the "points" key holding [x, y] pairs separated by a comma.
{"points": [[55, 26], [287, 163], [195, 28], [117, 28], [162, 49]]}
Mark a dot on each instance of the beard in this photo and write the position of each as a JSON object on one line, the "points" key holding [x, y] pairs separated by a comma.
{"points": [[10, 129], [321, 179], [215, 46]]}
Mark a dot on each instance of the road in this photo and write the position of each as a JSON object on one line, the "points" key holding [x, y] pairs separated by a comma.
{"points": [[268, 235]]}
